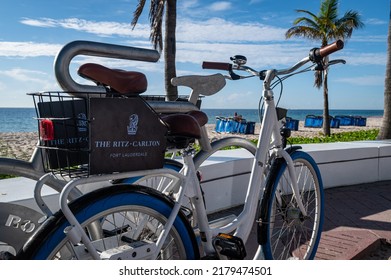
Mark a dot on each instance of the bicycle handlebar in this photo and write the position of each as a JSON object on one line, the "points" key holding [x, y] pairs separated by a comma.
{"points": [[316, 55], [217, 65]]}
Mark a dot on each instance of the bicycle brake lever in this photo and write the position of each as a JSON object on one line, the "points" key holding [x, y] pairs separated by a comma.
{"points": [[336, 61], [233, 75]]}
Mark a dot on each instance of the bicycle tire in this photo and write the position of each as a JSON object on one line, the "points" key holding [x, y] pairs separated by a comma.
{"points": [[283, 232], [50, 242]]}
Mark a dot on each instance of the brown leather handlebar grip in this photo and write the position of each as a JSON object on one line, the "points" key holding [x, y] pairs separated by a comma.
{"points": [[329, 49], [216, 65]]}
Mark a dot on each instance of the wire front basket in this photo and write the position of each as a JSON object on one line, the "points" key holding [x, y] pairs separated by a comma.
{"points": [[95, 134], [63, 132]]}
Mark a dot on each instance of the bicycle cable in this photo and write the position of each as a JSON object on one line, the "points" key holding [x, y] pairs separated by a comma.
{"points": [[260, 109], [276, 83]]}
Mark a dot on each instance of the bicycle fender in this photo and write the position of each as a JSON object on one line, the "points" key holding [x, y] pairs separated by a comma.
{"points": [[293, 149], [17, 224]]}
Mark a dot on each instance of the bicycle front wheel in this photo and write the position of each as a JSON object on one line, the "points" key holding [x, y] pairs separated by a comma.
{"points": [[123, 215], [284, 232]]}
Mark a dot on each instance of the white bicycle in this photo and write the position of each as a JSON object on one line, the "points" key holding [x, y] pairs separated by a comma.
{"points": [[133, 221]]}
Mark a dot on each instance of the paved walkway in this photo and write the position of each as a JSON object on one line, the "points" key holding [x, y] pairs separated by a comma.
{"points": [[357, 218], [357, 222]]}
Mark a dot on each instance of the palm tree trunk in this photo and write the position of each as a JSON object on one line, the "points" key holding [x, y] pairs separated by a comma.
{"points": [[326, 114], [170, 50], [385, 130]]}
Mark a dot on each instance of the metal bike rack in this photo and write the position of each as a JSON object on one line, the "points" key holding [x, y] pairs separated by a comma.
{"points": [[69, 51]]}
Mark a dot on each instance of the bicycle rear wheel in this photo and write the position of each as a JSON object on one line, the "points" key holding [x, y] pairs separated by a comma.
{"points": [[284, 232], [123, 215]]}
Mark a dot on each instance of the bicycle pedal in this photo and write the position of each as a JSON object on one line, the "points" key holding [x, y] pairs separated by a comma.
{"points": [[229, 246]]}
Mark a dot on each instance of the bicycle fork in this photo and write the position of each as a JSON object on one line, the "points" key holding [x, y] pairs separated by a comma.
{"points": [[294, 183]]}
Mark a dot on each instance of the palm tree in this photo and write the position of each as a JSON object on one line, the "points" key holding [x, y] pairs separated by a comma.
{"points": [[162, 9], [385, 130], [325, 26]]}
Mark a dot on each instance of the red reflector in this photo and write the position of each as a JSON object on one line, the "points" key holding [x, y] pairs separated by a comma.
{"points": [[46, 129]]}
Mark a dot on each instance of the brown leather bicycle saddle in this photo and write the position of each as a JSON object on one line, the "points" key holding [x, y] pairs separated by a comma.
{"points": [[123, 82], [185, 124]]}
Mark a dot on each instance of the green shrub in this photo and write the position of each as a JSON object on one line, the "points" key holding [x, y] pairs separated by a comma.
{"points": [[359, 135]]}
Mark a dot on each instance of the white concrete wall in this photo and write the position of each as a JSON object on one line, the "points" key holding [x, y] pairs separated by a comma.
{"points": [[340, 164], [225, 175]]}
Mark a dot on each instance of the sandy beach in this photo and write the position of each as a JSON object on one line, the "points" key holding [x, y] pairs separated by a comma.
{"points": [[21, 144], [18, 145]]}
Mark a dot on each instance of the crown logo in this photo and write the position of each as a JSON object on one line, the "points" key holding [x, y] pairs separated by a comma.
{"points": [[82, 123], [133, 122]]}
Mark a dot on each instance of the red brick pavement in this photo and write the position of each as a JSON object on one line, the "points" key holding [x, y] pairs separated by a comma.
{"points": [[356, 218]]}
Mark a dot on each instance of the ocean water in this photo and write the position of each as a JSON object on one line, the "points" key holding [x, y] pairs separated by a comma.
{"points": [[23, 119], [18, 120]]}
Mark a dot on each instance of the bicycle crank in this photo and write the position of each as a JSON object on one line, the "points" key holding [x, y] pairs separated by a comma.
{"points": [[229, 247]]}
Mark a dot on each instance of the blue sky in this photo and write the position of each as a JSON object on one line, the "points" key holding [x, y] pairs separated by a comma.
{"points": [[32, 32]]}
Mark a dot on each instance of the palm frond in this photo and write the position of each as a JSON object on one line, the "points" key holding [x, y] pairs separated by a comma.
{"points": [[306, 22], [344, 26], [304, 31], [351, 19], [304, 26], [156, 13], [329, 9], [137, 13], [307, 12]]}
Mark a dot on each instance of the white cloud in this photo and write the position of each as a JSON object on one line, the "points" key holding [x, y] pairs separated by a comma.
{"points": [[365, 58], [216, 39], [215, 29], [220, 6], [375, 21], [39, 22], [188, 4], [121, 64], [258, 55], [369, 38], [104, 28], [221, 30], [30, 77], [28, 49], [23, 74]]}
